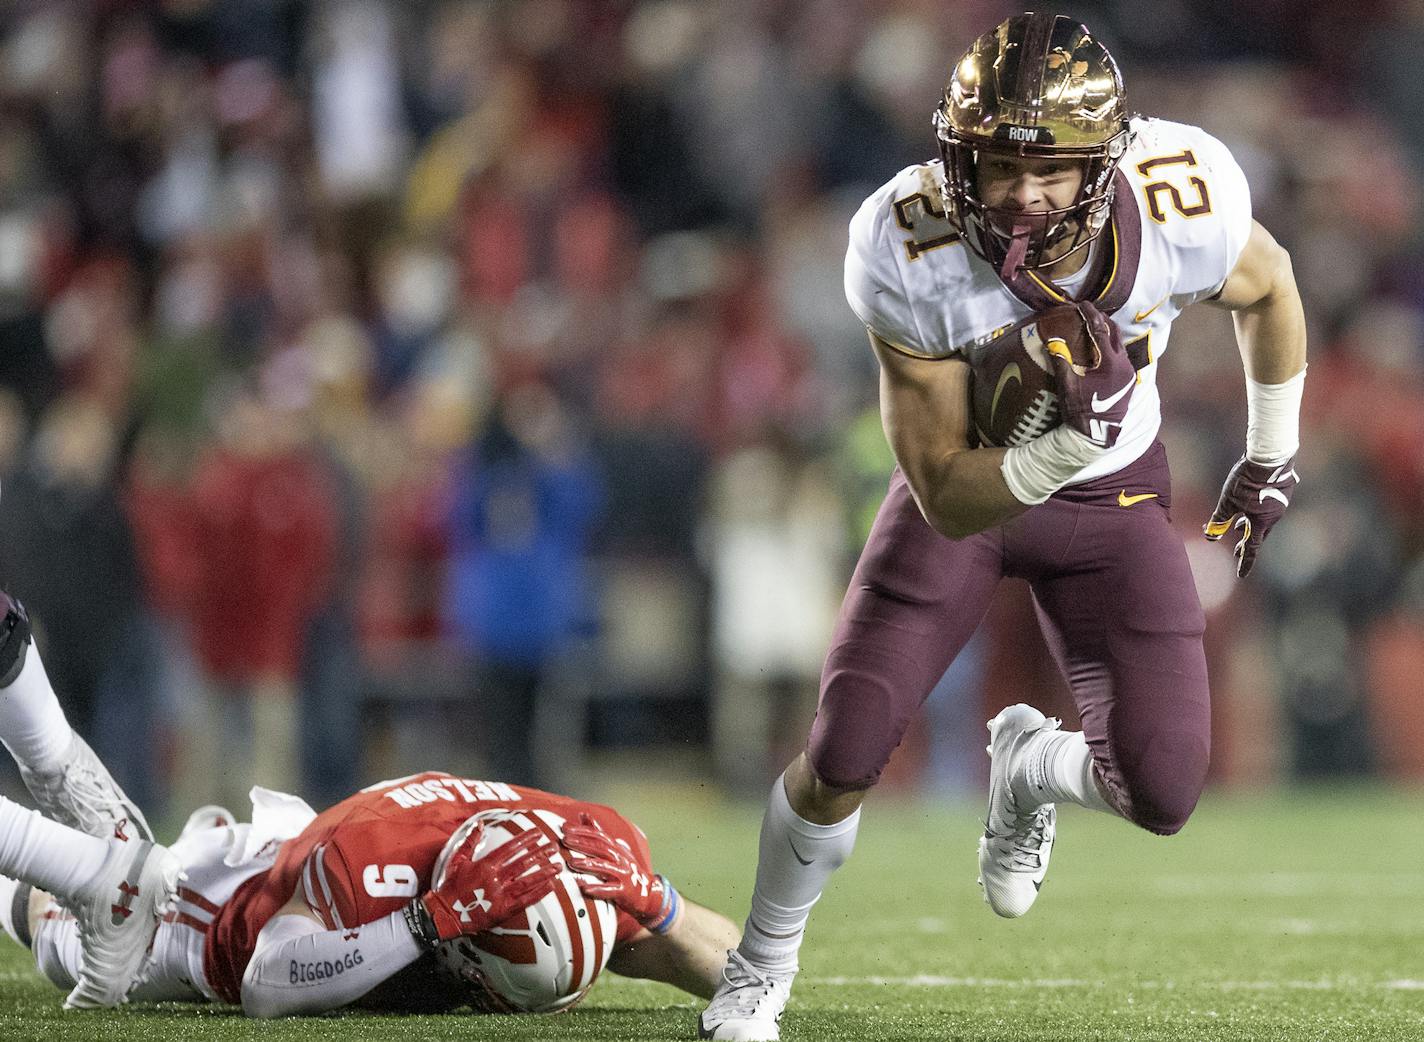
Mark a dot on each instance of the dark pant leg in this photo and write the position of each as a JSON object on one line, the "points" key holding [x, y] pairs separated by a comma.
{"points": [[914, 601], [1122, 617]]}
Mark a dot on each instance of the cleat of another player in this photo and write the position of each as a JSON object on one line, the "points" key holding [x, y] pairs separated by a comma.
{"points": [[118, 913], [1016, 845], [747, 1005], [83, 795], [208, 816]]}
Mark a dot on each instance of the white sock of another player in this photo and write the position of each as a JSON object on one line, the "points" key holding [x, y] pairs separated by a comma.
{"points": [[795, 861], [1057, 767], [32, 725], [15, 909], [46, 854]]}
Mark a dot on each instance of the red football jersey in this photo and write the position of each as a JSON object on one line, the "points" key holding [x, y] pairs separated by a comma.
{"points": [[371, 853]]}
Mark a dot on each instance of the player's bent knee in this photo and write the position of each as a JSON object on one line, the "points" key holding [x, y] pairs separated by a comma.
{"points": [[1160, 789], [1161, 821], [856, 730], [841, 769]]}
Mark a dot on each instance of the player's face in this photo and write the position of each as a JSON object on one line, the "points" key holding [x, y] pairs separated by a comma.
{"points": [[1011, 186]]}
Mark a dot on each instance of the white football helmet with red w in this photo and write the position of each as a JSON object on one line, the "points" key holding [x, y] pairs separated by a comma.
{"points": [[545, 958]]}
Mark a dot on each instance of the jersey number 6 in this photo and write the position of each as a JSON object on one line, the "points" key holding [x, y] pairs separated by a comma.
{"points": [[391, 881]]}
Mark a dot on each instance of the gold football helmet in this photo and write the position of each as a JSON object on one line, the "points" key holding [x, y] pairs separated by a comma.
{"points": [[1037, 85]]}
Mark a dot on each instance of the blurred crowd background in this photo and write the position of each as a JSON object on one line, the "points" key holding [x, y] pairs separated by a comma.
{"points": [[387, 385]]}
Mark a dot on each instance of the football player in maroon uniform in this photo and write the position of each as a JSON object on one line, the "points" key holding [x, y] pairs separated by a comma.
{"points": [[1048, 191], [419, 894]]}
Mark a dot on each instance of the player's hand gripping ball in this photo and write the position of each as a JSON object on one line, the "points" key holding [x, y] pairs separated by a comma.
{"points": [[1063, 365]]}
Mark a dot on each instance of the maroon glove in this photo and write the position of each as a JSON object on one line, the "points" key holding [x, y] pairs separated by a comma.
{"points": [[617, 876], [1095, 402], [1254, 498], [475, 895]]}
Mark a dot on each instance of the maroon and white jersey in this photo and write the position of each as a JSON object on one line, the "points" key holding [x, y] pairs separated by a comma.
{"points": [[1180, 218], [369, 855]]}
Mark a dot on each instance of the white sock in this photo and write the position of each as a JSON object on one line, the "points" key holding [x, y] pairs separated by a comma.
{"points": [[46, 854], [15, 909], [1057, 767], [32, 725], [795, 861]]}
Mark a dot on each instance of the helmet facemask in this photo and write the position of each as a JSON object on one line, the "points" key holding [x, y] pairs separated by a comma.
{"points": [[1037, 86], [1052, 235]]}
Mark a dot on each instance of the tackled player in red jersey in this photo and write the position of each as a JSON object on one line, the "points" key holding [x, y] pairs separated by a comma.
{"points": [[419, 894]]}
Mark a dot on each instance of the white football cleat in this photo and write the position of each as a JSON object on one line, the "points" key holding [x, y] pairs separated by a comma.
{"points": [[1015, 847], [83, 795], [747, 1005], [118, 914]]}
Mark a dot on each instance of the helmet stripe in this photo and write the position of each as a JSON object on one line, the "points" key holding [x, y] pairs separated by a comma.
{"points": [[595, 925], [571, 920], [1033, 55], [576, 932]]}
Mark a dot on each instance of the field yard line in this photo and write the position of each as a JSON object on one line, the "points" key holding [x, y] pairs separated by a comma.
{"points": [[930, 981]]}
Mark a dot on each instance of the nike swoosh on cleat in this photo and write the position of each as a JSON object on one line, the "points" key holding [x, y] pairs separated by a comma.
{"points": [[797, 853], [1124, 500], [1104, 404]]}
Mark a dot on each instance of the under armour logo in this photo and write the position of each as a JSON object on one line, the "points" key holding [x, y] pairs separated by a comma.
{"points": [[478, 901], [121, 911]]}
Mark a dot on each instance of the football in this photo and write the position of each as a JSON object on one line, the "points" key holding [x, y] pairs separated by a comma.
{"points": [[1013, 393]]}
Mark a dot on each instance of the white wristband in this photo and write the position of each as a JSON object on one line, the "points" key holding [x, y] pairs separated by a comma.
{"points": [[1035, 471], [1273, 419]]}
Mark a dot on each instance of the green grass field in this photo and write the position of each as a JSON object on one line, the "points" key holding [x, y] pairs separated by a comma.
{"points": [[1291, 917]]}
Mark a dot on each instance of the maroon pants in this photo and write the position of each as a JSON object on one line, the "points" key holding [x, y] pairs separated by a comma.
{"points": [[1116, 602]]}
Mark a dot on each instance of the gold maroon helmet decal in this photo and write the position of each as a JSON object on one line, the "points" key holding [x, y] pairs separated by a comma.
{"points": [[1036, 85]]}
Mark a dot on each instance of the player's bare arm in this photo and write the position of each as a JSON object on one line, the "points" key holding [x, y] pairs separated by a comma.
{"points": [[689, 956], [1270, 330], [1270, 322], [924, 406], [680, 943]]}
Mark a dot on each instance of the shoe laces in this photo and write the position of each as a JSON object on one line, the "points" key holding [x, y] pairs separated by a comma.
{"points": [[85, 793], [747, 988], [1026, 842]]}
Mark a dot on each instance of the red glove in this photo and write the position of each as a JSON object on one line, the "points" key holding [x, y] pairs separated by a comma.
{"points": [[1095, 403], [617, 876], [475, 895], [1255, 496]]}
